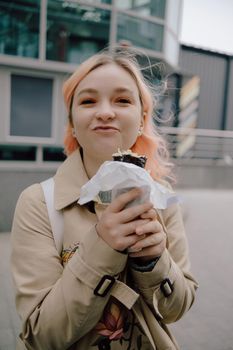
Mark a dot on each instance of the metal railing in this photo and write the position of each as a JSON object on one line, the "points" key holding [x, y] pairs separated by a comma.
{"points": [[199, 144]]}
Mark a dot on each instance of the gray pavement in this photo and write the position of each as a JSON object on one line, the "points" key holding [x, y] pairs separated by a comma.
{"points": [[209, 225], [208, 325], [9, 321]]}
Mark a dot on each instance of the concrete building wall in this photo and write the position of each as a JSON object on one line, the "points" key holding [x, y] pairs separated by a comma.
{"points": [[207, 175], [12, 184]]}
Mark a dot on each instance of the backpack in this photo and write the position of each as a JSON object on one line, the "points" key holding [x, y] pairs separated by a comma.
{"points": [[55, 216]]}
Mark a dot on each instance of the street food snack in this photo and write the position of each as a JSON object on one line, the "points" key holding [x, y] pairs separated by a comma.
{"points": [[130, 157]]}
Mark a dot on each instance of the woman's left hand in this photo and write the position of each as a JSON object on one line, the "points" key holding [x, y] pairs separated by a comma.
{"points": [[153, 240]]}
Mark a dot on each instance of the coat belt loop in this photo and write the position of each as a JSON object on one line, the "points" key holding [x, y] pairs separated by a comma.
{"points": [[124, 294]]}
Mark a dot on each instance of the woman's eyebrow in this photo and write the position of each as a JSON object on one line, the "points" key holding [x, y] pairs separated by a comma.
{"points": [[87, 91], [123, 90]]}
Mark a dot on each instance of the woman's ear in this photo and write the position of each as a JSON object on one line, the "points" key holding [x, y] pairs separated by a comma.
{"points": [[143, 120], [140, 131]]}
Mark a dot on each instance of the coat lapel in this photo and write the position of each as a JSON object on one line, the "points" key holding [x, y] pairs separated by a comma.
{"points": [[69, 179]]}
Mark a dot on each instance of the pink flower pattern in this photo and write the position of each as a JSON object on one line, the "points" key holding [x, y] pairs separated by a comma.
{"points": [[112, 322]]}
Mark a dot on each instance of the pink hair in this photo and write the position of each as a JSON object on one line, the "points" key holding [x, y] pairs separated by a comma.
{"points": [[150, 143]]}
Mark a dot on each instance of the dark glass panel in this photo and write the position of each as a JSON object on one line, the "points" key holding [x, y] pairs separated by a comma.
{"points": [[75, 32], [16, 153], [31, 106], [19, 27]]}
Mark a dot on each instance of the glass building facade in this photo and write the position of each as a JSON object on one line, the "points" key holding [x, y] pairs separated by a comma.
{"points": [[42, 41], [70, 31]]}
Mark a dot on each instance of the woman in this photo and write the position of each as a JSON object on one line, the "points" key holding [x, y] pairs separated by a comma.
{"points": [[124, 272]]}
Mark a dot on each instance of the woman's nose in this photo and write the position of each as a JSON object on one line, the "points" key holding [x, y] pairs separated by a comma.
{"points": [[105, 112]]}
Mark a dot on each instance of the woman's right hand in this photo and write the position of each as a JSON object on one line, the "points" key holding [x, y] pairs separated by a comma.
{"points": [[118, 224]]}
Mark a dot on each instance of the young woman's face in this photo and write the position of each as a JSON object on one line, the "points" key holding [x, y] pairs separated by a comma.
{"points": [[106, 111]]}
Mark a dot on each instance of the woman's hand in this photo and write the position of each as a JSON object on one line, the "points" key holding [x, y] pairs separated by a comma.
{"points": [[153, 242], [118, 227]]}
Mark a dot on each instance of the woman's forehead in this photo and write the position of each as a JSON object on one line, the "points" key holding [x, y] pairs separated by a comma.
{"points": [[110, 74]]}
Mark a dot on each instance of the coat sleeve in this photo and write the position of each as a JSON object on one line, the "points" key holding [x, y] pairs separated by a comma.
{"points": [[174, 265], [57, 305]]}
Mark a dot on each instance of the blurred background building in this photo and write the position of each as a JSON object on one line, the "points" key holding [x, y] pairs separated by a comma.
{"points": [[43, 41]]}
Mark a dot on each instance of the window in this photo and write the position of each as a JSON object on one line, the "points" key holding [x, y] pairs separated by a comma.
{"points": [[154, 8], [140, 32], [75, 32], [31, 106], [13, 152], [53, 154], [19, 27]]}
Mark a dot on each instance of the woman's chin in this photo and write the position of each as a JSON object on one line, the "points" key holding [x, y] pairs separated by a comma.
{"points": [[106, 150], [106, 154]]}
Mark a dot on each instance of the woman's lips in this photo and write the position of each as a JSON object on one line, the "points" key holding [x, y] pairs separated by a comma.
{"points": [[105, 129]]}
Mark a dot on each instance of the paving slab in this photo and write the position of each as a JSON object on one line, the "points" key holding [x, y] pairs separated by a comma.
{"points": [[209, 226]]}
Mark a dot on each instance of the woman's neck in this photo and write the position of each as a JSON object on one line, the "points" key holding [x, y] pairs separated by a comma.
{"points": [[91, 165]]}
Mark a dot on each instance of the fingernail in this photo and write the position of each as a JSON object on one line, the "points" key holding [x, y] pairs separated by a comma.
{"points": [[134, 250]]}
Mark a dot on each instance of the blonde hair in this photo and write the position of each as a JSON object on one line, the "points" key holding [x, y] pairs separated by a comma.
{"points": [[150, 143]]}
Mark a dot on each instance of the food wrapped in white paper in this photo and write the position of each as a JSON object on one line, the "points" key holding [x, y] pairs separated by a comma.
{"points": [[115, 177]]}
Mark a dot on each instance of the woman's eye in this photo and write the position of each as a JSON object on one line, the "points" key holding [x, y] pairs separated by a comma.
{"points": [[123, 100], [87, 101]]}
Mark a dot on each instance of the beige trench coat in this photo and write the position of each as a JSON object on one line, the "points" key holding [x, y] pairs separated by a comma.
{"points": [[56, 301]]}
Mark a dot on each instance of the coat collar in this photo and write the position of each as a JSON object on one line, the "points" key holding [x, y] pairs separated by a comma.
{"points": [[69, 179]]}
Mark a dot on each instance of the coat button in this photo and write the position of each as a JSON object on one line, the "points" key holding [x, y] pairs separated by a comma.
{"points": [[104, 344]]}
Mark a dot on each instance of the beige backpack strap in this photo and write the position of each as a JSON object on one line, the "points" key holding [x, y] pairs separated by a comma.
{"points": [[55, 216]]}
